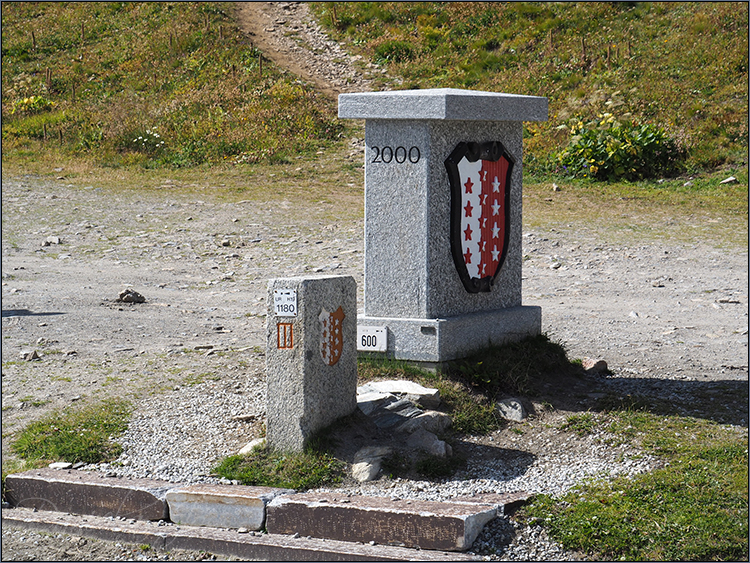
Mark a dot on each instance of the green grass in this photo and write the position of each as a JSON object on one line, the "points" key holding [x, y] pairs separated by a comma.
{"points": [[84, 434], [293, 470], [469, 387], [516, 367], [582, 424], [162, 84], [693, 508], [682, 66]]}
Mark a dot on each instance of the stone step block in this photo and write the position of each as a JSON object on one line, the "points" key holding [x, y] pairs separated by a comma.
{"points": [[221, 506], [429, 525], [249, 546], [83, 492]]}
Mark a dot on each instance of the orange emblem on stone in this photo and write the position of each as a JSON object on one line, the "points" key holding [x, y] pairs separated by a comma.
{"points": [[331, 335]]}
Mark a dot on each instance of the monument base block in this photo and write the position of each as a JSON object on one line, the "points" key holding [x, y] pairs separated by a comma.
{"points": [[451, 338]]}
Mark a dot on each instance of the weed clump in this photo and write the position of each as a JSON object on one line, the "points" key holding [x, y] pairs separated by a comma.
{"points": [[292, 470], [513, 367], [84, 435]]}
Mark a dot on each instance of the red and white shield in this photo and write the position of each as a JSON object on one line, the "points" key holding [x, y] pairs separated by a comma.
{"points": [[331, 335], [480, 218]]}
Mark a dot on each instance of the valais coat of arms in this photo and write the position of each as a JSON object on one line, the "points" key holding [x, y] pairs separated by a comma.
{"points": [[480, 219], [331, 335]]}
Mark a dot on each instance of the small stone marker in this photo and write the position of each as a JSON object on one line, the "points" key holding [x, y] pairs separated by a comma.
{"points": [[443, 224], [311, 357]]}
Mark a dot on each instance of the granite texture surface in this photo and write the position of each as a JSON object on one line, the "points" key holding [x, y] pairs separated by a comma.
{"points": [[443, 103], [304, 392], [441, 340], [409, 268], [221, 506], [412, 284]]}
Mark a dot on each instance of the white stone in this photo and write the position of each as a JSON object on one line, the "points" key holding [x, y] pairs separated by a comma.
{"points": [[60, 465], [432, 421], [367, 462], [221, 506], [511, 409], [425, 396], [251, 446]]}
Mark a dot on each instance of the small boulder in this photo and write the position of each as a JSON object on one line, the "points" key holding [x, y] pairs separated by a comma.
{"points": [[592, 365], [130, 296], [730, 180], [367, 462], [30, 355], [51, 240], [428, 442], [511, 409], [431, 421]]}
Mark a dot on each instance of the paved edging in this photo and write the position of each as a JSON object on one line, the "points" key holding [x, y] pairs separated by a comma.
{"points": [[269, 547], [224, 518]]}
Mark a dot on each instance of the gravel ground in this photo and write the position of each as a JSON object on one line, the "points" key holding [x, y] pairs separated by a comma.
{"points": [[670, 320]]}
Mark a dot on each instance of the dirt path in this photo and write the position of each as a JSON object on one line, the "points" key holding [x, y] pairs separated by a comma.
{"points": [[289, 36]]}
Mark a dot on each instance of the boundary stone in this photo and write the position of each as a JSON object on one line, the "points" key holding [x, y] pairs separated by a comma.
{"points": [[412, 286], [306, 392]]}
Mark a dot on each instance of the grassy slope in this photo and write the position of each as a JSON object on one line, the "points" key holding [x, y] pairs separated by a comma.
{"points": [[680, 65], [153, 84]]}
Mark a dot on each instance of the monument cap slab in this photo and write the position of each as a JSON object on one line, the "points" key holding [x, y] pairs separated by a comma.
{"points": [[443, 103]]}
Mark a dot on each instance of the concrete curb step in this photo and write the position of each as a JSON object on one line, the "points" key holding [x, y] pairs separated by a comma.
{"points": [[443, 526], [262, 547]]}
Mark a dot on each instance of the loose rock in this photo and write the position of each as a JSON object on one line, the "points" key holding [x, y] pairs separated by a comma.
{"points": [[511, 409], [130, 296], [594, 365], [431, 421], [251, 446], [428, 442]]}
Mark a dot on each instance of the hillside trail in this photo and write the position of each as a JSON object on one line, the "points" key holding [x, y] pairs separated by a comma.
{"points": [[288, 35]]}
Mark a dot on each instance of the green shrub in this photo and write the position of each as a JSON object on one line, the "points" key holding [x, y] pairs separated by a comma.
{"points": [[32, 104], [147, 142], [607, 149]]}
